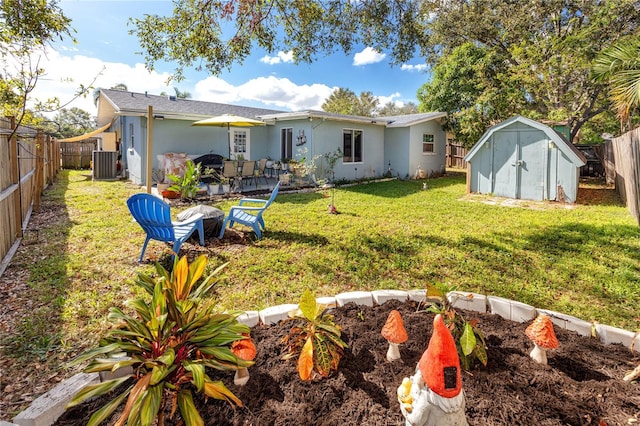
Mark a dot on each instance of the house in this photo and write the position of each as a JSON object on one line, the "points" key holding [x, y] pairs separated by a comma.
{"points": [[371, 146], [523, 159]]}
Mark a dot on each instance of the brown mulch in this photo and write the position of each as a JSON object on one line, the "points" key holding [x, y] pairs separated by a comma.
{"points": [[582, 385]]}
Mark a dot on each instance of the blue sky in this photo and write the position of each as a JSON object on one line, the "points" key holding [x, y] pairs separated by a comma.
{"points": [[105, 49]]}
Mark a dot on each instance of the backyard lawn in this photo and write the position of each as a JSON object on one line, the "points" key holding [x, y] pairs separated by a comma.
{"points": [[582, 260]]}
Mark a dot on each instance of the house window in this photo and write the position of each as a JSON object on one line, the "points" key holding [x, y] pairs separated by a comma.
{"points": [[428, 146], [352, 146], [131, 137], [286, 143], [240, 141]]}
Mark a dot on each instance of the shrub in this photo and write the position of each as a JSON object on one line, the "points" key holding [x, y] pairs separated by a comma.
{"points": [[169, 342], [316, 342], [469, 339]]}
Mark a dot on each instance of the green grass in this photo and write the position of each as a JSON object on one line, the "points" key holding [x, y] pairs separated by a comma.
{"points": [[390, 235]]}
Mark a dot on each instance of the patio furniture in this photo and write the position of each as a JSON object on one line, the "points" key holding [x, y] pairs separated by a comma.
{"points": [[154, 216], [230, 171], [261, 172], [209, 161], [247, 173], [250, 216]]}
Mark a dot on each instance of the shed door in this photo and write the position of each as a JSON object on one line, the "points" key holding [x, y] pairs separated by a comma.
{"points": [[504, 160], [532, 150], [518, 164]]}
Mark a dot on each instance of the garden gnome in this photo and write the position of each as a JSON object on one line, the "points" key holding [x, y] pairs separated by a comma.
{"points": [[434, 396]]}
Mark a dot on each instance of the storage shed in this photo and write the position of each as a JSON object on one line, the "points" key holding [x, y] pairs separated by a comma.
{"points": [[524, 159]]}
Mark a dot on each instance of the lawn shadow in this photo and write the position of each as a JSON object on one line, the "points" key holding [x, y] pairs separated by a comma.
{"points": [[401, 188], [280, 237], [33, 333]]}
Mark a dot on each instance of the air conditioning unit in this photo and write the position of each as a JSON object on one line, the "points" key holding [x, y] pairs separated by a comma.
{"points": [[104, 165]]}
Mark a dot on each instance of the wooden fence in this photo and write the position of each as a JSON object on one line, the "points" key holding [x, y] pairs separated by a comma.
{"points": [[455, 155], [626, 153], [29, 161], [77, 155]]}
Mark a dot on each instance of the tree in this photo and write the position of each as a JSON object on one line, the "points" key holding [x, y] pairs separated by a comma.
{"points": [[26, 27], [215, 35], [391, 108], [345, 101], [619, 67], [73, 122], [545, 52], [179, 94], [547, 47], [464, 85]]}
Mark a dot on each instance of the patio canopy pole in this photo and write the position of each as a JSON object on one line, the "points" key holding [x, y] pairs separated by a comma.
{"points": [[149, 146]]}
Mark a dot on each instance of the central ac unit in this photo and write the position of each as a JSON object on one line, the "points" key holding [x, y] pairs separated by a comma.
{"points": [[104, 165]]}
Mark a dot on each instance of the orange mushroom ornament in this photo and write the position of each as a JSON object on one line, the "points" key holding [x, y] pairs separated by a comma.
{"points": [[541, 333], [395, 333], [244, 349]]}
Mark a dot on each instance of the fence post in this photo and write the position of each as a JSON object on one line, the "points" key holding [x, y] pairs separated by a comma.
{"points": [[38, 178], [15, 175]]}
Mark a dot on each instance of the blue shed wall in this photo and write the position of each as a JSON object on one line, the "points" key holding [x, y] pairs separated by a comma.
{"points": [[519, 161]]}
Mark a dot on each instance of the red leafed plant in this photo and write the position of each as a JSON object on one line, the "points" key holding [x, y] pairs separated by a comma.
{"points": [[169, 342], [316, 341]]}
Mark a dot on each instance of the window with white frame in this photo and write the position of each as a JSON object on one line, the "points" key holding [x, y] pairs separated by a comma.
{"points": [[352, 146], [428, 145], [286, 143], [131, 135], [240, 142]]}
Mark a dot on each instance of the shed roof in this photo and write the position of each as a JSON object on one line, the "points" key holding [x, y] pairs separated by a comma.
{"points": [[560, 141]]}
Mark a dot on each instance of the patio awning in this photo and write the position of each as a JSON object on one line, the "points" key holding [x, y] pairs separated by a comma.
{"points": [[86, 135]]}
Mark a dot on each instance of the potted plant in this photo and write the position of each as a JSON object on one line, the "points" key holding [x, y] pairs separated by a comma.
{"points": [[226, 185], [188, 184]]}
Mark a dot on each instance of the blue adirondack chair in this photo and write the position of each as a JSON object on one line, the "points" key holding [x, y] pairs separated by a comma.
{"points": [[250, 216], [154, 216]]}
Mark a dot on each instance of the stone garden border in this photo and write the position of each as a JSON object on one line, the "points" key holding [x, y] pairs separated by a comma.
{"points": [[46, 409]]}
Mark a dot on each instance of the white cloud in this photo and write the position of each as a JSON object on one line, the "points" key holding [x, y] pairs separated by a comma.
{"points": [[65, 74], [368, 56], [383, 100], [417, 67], [281, 57], [279, 93]]}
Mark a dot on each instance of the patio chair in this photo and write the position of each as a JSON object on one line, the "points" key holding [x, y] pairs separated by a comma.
{"points": [[250, 216], [230, 171], [248, 172], [154, 216], [261, 172]]}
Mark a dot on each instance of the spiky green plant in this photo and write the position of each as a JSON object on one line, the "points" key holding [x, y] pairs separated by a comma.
{"points": [[468, 337], [169, 342], [189, 183], [316, 342]]}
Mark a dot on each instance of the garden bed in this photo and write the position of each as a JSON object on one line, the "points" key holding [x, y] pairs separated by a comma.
{"points": [[582, 385]]}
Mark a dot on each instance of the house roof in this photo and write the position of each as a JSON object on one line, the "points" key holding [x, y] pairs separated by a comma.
{"points": [[387, 121], [132, 103], [115, 102], [314, 114], [558, 139], [411, 119]]}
